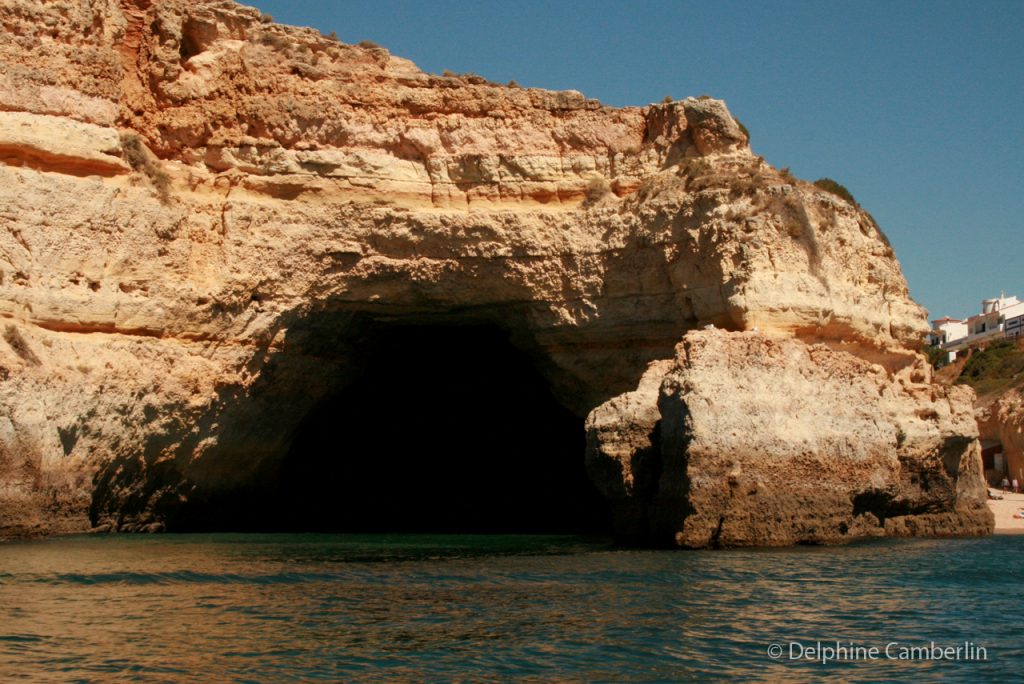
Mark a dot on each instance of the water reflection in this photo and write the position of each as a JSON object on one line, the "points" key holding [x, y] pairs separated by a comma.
{"points": [[307, 607]]}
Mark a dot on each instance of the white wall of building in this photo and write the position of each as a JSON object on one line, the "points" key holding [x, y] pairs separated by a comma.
{"points": [[1013, 324], [999, 317], [950, 331], [998, 304]]}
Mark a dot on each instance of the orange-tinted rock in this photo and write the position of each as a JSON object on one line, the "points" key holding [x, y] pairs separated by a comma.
{"points": [[204, 211]]}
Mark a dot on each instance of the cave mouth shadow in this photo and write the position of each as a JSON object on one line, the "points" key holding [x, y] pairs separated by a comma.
{"points": [[446, 429]]}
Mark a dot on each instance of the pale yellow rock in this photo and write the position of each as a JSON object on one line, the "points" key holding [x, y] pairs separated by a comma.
{"points": [[58, 143], [754, 440], [166, 328]]}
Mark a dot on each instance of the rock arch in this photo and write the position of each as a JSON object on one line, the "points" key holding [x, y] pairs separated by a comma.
{"points": [[170, 323], [433, 428]]}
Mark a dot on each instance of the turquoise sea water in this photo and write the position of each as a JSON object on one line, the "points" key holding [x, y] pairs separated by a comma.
{"points": [[526, 608]]}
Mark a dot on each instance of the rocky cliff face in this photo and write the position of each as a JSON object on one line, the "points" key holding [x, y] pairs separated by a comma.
{"points": [[1003, 421], [208, 217], [755, 439]]}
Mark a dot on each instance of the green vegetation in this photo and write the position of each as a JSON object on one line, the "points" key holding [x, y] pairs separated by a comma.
{"points": [[20, 346], [696, 166], [369, 45], [667, 99], [937, 357], [995, 368], [138, 157], [274, 40], [837, 189], [742, 128], [597, 189]]}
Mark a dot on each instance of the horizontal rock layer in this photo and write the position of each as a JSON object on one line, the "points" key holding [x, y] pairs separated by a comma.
{"points": [[204, 214]]}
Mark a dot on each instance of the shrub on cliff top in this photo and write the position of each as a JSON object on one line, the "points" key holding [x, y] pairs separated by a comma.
{"points": [[742, 128], [837, 189], [274, 40]]}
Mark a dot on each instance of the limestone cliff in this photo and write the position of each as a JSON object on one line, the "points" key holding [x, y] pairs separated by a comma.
{"points": [[749, 438], [1003, 421], [995, 370], [205, 215]]}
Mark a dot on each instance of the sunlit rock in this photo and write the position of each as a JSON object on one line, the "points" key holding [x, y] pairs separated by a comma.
{"points": [[209, 219]]}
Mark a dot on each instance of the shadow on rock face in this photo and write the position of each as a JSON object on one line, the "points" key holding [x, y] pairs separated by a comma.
{"points": [[444, 429]]}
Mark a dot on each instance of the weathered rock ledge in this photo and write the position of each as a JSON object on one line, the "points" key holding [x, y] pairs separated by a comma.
{"points": [[751, 439], [206, 216]]}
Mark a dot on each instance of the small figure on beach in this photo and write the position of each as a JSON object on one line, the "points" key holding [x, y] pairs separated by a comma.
{"points": [[1016, 486], [1005, 484]]}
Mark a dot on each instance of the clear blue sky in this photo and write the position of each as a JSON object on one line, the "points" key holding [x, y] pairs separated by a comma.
{"points": [[917, 107]]}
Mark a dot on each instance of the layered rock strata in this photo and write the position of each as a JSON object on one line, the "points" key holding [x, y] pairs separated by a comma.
{"points": [[754, 439], [205, 215]]}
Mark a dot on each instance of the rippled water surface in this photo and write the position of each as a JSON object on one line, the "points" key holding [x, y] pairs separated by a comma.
{"points": [[287, 607]]}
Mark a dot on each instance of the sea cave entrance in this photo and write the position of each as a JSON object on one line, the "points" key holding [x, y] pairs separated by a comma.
{"points": [[445, 428]]}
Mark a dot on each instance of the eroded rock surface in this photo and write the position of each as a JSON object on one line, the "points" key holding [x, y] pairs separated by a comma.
{"points": [[751, 439], [206, 215], [1003, 421]]}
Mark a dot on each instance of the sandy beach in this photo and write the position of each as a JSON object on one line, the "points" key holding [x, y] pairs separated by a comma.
{"points": [[1004, 510]]}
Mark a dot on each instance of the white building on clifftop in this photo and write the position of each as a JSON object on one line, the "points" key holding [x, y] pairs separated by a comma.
{"points": [[999, 317], [946, 330]]}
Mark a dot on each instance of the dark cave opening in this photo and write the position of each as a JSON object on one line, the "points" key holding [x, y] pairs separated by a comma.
{"points": [[445, 429]]}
